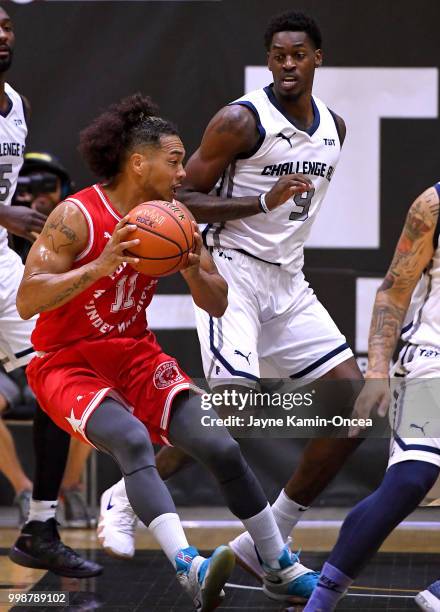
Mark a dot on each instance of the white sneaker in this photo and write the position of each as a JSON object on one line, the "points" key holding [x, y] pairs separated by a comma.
{"points": [[294, 584], [117, 523], [429, 599], [244, 551]]}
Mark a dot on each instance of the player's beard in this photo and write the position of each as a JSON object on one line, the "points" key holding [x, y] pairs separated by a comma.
{"points": [[5, 62]]}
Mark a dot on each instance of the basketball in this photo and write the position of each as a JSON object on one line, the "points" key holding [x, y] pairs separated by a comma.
{"points": [[166, 237]]}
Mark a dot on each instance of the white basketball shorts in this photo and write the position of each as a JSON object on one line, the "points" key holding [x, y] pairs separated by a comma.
{"points": [[415, 407], [15, 333], [274, 326]]}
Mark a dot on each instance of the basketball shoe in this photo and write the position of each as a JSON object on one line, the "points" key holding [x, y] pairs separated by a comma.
{"points": [[293, 583], [117, 523], [204, 579], [429, 599], [39, 546]]}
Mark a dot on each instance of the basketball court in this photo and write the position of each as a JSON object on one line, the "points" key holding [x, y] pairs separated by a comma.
{"points": [[406, 564]]}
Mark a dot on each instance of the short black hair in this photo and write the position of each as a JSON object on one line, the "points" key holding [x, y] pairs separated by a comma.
{"points": [[293, 21], [133, 122]]}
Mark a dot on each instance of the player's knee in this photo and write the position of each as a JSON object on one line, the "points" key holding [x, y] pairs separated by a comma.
{"points": [[134, 444], [227, 461], [415, 478]]}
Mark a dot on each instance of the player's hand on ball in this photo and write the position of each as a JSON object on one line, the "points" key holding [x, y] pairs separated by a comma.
{"points": [[193, 264], [113, 254], [285, 188], [374, 397]]}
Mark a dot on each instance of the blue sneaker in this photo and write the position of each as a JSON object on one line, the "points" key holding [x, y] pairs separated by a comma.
{"points": [[292, 581], [204, 579], [429, 599]]}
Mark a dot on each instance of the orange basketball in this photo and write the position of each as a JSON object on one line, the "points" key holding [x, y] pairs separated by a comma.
{"points": [[166, 237]]}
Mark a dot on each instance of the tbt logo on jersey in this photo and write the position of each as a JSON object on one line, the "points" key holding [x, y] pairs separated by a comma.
{"points": [[166, 375]]}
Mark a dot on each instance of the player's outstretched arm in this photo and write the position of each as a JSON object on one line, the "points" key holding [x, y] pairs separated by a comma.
{"points": [[414, 250], [209, 289], [233, 130], [49, 280]]}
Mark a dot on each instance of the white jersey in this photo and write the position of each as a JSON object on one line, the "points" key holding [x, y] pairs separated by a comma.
{"points": [[422, 324], [13, 132], [278, 237]]}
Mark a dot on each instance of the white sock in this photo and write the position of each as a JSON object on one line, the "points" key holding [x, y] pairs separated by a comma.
{"points": [[266, 536], [287, 513], [42, 510], [168, 531]]}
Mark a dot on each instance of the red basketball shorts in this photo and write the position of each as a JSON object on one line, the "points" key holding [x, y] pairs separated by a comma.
{"points": [[71, 383]]}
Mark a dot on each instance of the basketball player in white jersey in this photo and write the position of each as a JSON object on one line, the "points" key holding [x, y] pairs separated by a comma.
{"points": [[407, 303], [44, 548], [271, 156]]}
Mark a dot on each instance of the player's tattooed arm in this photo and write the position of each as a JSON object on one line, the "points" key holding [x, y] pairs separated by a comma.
{"points": [[50, 278], [413, 253], [59, 231]]}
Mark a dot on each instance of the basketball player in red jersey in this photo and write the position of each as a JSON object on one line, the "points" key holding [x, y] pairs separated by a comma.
{"points": [[257, 222], [100, 374]]}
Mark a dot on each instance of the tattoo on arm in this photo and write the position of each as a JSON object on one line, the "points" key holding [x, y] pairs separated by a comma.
{"points": [[394, 294], [59, 233], [404, 268], [384, 331], [67, 292]]}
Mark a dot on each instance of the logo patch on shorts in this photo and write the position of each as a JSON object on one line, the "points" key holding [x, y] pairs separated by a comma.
{"points": [[166, 375]]}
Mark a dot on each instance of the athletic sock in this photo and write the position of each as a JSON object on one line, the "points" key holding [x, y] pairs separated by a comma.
{"points": [[331, 588], [168, 531], [42, 510], [266, 536], [287, 513]]}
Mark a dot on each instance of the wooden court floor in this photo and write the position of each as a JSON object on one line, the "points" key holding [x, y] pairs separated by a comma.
{"points": [[409, 561]]}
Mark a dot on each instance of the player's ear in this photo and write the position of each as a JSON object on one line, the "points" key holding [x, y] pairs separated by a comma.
{"points": [[318, 58], [268, 60], [137, 162]]}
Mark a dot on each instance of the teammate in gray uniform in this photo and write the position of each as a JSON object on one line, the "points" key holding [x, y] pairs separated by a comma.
{"points": [[272, 155], [44, 548]]}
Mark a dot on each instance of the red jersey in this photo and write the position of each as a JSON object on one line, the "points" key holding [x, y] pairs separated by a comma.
{"points": [[115, 305]]}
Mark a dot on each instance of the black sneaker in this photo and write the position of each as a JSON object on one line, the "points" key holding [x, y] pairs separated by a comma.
{"points": [[39, 546]]}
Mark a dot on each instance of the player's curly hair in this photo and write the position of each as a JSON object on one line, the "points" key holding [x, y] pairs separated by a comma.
{"points": [[292, 21], [124, 126]]}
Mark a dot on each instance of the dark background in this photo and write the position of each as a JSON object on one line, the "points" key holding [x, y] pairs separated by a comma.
{"points": [[74, 58]]}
